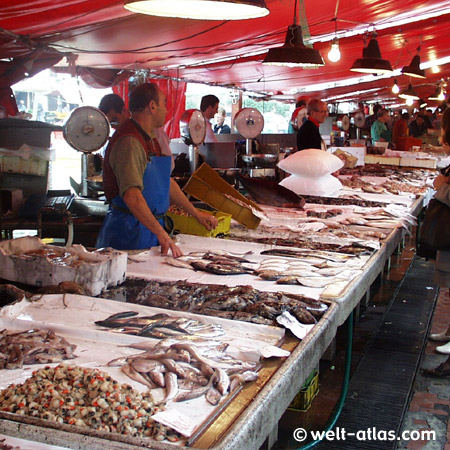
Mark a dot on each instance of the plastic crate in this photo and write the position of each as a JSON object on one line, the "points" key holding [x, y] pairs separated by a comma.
{"points": [[303, 400], [188, 225]]}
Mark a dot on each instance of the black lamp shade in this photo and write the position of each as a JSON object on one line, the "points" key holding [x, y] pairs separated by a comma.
{"points": [[371, 61], [414, 70], [294, 52], [409, 93]]}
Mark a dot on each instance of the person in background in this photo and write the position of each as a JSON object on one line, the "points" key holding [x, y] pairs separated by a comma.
{"points": [[308, 136], [301, 103], [417, 127], [209, 106], [114, 109], [428, 118], [400, 129], [442, 264], [137, 183], [221, 127], [379, 131]]}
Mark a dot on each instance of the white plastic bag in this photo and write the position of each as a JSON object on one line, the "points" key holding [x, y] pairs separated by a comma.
{"points": [[311, 162], [325, 185]]}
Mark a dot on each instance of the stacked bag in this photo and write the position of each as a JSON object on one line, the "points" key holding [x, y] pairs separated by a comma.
{"points": [[311, 172]]}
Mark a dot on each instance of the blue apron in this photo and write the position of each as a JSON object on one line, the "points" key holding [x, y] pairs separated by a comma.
{"points": [[120, 229]]}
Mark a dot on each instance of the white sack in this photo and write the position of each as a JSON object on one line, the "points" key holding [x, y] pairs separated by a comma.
{"points": [[311, 162], [301, 185]]}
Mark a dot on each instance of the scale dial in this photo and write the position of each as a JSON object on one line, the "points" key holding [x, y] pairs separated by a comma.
{"points": [[193, 127], [87, 129], [249, 122], [360, 119]]}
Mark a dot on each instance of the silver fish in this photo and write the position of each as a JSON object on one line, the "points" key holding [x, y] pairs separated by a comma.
{"points": [[176, 262], [171, 381]]}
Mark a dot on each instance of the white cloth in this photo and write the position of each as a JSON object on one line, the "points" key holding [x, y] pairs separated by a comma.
{"points": [[164, 143], [210, 136]]}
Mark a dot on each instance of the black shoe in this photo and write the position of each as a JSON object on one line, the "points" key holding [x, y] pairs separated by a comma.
{"points": [[439, 372]]}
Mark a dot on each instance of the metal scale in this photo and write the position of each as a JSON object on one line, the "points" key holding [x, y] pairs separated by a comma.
{"points": [[193, 132], [249, 123], [87, 130]]}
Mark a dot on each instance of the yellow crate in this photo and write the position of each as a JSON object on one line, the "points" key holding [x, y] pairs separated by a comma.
{"points": [[206, 185], [302, 401], [188, 225]]}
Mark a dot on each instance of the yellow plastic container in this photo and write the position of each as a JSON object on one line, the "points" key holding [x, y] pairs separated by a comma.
{"points": [[188, 225], [302, 401]]}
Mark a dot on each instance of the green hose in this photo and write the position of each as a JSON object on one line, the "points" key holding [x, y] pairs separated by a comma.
{"points": [[348, 361]]}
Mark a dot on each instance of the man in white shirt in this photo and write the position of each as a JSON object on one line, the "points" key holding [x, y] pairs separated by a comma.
{"points": [[209, 106]]}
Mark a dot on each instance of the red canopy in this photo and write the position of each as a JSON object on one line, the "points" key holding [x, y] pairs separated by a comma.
{"points": [[103, 35]]}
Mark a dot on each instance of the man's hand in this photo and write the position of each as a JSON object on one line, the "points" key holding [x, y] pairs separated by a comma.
{"points": [[439, 181], [167, 244], [207, 220]]}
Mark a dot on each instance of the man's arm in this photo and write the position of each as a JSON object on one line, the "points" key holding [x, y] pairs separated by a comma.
{"points": [[179, 199], [138, 207]]}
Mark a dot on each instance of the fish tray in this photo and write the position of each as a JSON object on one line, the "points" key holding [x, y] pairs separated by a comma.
{"points": [[188, 225], [303, 400], [94, 271], [206, 185]]}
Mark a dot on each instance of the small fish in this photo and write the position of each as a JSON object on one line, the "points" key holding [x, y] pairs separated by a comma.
{"points": [[288, 280], [270, 275], [177, 262], [171, 382], [213, 396]]}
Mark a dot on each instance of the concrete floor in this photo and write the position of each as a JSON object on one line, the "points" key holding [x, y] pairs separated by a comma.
{"points": [[429, 403]]}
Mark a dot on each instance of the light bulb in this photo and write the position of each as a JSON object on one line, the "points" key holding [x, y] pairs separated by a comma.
{"points": [[395, 88], [334, 55], [441, 96], [409, 101]]}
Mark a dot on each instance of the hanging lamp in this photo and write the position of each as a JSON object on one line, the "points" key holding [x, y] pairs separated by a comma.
{"points": [[410, 93], [395, 88], [334, 55], [200, 9], [422, 103], [438, 95], [371, 61], [294, 53], [414, 70]]}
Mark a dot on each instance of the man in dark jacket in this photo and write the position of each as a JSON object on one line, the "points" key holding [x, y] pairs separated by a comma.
{"points": [[308, 136]]}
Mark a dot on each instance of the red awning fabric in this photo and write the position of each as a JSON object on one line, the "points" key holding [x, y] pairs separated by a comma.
{"points": [[103, 35]]}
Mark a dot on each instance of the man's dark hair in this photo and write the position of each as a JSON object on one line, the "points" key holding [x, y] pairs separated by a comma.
{"points": [[405, 116], [111, 102], [381, 112], [207, 101], [142, 95], [299, 103]]}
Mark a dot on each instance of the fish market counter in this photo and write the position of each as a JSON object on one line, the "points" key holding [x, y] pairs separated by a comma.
{"points": [[241, 422]]}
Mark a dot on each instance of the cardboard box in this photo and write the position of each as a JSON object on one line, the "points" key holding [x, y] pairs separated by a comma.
{"points": [[380, 159], [206, 185]]}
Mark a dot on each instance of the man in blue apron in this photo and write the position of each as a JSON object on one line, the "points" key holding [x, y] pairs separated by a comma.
{"points": [[137, 183]]}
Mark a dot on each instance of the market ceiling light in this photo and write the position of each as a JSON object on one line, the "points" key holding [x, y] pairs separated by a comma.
{"points": [[438, 95], [334, 55], [294, 53], [200, 9], [371, 61], [410, 93], [414, 70], [395, 88], [422, 103]]}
